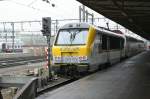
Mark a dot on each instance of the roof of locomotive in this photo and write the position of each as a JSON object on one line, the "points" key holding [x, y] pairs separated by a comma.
{"points": [[75, 25], [86, 25], [117, 33]]}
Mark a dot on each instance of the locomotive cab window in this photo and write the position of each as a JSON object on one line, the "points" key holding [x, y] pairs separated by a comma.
{"points": [[72, 37]]}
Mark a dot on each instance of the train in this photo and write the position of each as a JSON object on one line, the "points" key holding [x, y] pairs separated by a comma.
{"points": [[7, 47], [82, 47]]}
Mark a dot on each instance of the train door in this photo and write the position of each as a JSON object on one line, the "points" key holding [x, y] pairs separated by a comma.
{"points": [[105, 48], [96, 50], [122, 50], [129, 47], [114, 49], [108, 49]]}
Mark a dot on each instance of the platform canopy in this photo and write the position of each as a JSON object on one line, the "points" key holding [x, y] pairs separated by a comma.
{"points": [[132, 14]]}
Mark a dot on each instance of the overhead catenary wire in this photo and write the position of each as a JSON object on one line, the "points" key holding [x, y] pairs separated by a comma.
{"points": [[29, 6], [25, 5]]}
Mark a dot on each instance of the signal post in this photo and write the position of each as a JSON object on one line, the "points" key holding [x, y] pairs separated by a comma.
{"points": [[46, 30]]}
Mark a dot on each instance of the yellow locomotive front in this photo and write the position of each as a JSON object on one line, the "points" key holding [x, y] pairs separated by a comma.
{"points": [[72, 45]]}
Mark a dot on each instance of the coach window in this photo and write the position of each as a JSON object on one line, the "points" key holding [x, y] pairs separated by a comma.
{"points": [[114, 42], [104, 42]]}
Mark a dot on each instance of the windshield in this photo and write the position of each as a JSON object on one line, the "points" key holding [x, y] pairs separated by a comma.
{"points": [[72, 37]]}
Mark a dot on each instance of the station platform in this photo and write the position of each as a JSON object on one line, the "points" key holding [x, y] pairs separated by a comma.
{"points": [[129, 79]]}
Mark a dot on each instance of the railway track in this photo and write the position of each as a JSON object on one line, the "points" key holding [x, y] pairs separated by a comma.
{"points": [[55, 84], [10, 62]]}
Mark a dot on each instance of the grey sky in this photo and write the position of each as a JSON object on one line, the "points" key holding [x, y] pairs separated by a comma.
{"points": [[14, 10]]}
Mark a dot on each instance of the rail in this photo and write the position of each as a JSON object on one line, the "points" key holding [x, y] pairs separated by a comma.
{"points": [[4, 63]]}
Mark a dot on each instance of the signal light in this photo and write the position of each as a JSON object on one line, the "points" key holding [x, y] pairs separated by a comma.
{"points": [[46, 26]]}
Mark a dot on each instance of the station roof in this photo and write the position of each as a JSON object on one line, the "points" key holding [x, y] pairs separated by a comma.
{"points": [[132, 14]]}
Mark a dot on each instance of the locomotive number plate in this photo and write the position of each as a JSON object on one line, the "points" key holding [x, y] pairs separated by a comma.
{"points": [[70, 59]]}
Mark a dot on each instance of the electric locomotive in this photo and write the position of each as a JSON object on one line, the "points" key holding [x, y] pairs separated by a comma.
{"points": [[84, 47]]}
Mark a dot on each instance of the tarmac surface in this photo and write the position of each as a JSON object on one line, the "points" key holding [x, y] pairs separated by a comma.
{"points": [[129, 79]]}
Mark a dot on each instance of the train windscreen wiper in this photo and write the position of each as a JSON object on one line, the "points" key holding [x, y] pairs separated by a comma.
{"points": [[73, 35]]}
